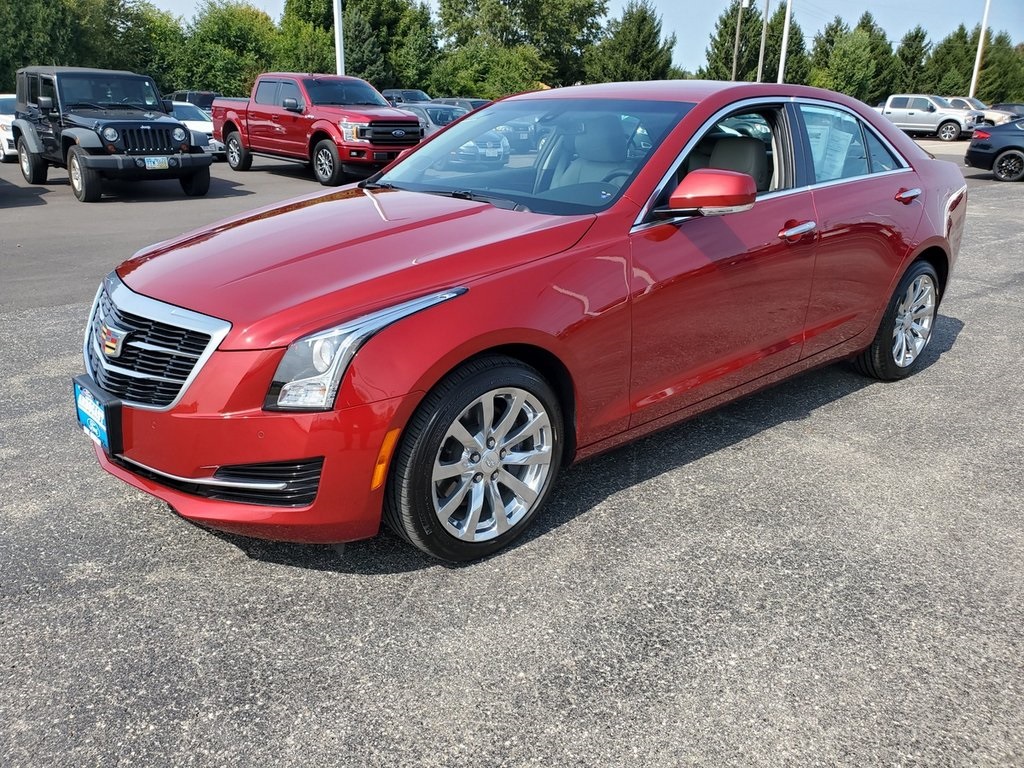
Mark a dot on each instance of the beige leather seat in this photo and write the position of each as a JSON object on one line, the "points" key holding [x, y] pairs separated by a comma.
{"points": [[743, 154], [600, 155]]}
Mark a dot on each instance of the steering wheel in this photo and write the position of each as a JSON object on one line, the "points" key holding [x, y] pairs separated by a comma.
{"points": [[614, 175]]}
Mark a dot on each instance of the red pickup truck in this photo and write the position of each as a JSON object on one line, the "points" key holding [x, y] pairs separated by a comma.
{"points": [[340, 125]]}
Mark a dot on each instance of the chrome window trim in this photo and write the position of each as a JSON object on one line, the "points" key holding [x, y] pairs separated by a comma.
{"points": [[641, 222], [124, 298], [255, 485]]}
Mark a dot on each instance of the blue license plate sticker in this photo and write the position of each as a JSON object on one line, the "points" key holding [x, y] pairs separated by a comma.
{"points": [[92, 416]]}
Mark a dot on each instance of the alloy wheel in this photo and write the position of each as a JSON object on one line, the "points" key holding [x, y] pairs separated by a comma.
{"points": [[324, 164], [1010, 166], [915, 316]]}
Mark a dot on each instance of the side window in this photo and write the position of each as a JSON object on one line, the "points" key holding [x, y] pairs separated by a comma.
{"points": [[46, 88], [289, 90], [265, 92], [33, 89], [899, 102], [881, 158], [920, 104], [836, 143]]}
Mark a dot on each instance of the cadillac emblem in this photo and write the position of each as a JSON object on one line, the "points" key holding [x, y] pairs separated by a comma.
{"points": [[112, 339]]}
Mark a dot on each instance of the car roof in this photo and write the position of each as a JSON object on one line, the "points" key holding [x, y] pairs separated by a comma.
{"points": [[49, 70]]}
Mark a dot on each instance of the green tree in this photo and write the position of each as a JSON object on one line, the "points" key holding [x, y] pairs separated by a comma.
{"points": [[302, 46], [632, 48], [34, 32], [415, 52], [318, 13], [951, 63], [798, 63], [720, 48], [363, 55], [821, 50], [883, 80], [484, 67], [228, 44], [851, 68], [911, 54], [1002, 72]]}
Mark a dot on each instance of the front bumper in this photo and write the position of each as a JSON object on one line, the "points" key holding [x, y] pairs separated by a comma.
{"points": [[127, 166], [179, 455]]}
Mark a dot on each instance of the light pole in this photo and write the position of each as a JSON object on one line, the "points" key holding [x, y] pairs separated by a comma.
{"points": [[736, 45], [764, 39], [785, 42], [339, 40], [981, 47]]}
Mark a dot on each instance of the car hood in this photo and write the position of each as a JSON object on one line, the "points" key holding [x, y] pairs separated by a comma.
{"points": [[94, 119], [357, 112], [289, 269], [200, 126]]}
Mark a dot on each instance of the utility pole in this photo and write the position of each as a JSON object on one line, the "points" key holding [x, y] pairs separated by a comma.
{"points": [[339, 39], [785, 42], [764, 39], [981, 48], [736, 45]]}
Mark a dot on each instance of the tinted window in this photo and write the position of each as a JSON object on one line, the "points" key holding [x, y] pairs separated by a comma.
{"points": [[836, 143], [881, 158], [899, 102], [289, 90], [920, 104], [190, 112], [265, 92]]}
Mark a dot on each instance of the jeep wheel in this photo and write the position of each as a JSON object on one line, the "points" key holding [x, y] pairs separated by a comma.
{"points": [[196, 184], [33, 167], [327, 164], [239, 158], [949, 131], [85, 182]]}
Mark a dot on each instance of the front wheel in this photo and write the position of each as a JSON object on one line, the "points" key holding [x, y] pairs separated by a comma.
{"points": [[949, 131], [477, 460], [239, 158], [906, 326], [33, 167], [1009, 166], [196, 184], [327, 164], [86, 182]]}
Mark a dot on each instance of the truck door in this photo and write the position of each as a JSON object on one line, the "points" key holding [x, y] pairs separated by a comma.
{"points": [[291, 124], [262, 108]]}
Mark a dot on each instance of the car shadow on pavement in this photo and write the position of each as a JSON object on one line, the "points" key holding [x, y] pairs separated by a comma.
{"points": [[13, 196], [584, 486], [135, 192]]}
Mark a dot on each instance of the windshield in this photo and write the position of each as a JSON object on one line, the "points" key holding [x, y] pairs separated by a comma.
{"points": [[107, 91], [414, 96], [7, 105], [190, 112], [442, 115], [337, 91], [587, 152], [976, 103], [942, 102]]}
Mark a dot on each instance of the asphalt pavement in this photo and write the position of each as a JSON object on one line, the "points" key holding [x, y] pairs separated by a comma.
{"points": [[828, 573]]}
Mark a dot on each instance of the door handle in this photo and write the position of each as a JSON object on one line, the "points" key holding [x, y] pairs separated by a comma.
{"points": [[794, 233], [907, 196]]}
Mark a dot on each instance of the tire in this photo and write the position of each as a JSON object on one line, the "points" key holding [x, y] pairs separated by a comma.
{"points": [[196, 184], [33, 167], [457, 490], [86, 182], [906, 326], [327, 164], [949, 131], [239, 158], [1009, 165]]}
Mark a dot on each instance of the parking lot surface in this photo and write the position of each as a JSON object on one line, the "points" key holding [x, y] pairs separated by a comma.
{"points": [[830, 572]]}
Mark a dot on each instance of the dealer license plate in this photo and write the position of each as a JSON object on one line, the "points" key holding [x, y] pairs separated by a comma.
{"points": [[524, 135], [156, 163], [99, 418], [490, 153]]}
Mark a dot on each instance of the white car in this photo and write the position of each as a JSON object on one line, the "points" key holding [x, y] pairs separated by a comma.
{"points": [[199, 120], [8, 151]]}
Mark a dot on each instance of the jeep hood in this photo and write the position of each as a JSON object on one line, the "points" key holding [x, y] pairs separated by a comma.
{"points": [[285, 270]]}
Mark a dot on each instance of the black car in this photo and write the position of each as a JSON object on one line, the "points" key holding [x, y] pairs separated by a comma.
{"points": [[202, 99], [1017, 109], [103, 124], [999, 149]]}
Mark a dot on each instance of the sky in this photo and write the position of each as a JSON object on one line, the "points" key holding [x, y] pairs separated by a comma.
{"points": [[693, 21]]}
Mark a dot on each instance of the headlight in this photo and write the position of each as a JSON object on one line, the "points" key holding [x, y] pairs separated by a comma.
{"points": [[308, 377], [350, 131], [110, 134], [179, 134]]}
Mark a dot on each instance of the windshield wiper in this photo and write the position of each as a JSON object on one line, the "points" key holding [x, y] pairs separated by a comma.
{"points": [[466, 194], [376, 185], [112, 105], [88, 104]]}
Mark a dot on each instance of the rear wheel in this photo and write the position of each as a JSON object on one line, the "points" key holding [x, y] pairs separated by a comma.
{"points": [[239, 158], [949, 131], [327, 164], [196, 184], [906, 326], [33, 167], [477, 460], [1009, 165], [86, 183]]}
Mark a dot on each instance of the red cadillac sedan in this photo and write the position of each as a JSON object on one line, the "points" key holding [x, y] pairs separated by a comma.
{"points": [[430, 347]]}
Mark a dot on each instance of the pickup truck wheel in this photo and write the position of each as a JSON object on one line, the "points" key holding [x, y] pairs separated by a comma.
{"points": [[327, 164], [949, 131], [477, 461], [33, 167], [1009, 166], [906, 326], [85, 182], [196, 184], [239, 158]]}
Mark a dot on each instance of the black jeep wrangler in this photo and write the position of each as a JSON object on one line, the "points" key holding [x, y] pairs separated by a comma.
{"points": [[103, 124]]}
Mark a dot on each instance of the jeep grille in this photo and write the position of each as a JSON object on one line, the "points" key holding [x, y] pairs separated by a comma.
{"points": [[156, 139]]}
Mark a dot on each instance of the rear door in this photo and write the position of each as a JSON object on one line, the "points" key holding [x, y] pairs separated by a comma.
{"points": [[263, 132]]}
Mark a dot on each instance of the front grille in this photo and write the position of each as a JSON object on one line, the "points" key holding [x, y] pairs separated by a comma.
{"points": [[301, 479], [383, 134], [156, 358], [154, 139]]}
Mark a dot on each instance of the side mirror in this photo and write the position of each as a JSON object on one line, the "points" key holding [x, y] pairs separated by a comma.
{"points": [[291, 105], [168, 106], [45, 103], [931, 107], [711, 192]]}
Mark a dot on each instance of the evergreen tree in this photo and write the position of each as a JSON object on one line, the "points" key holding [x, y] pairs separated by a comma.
{"points": [[34, 32], [951, 63], [821, 51], [720, 49], [302, 46], [851, 67], [798, 63], [911, 55], [363, 55], [886, 71], [632, 49], [486, 68], [415, 53]]}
